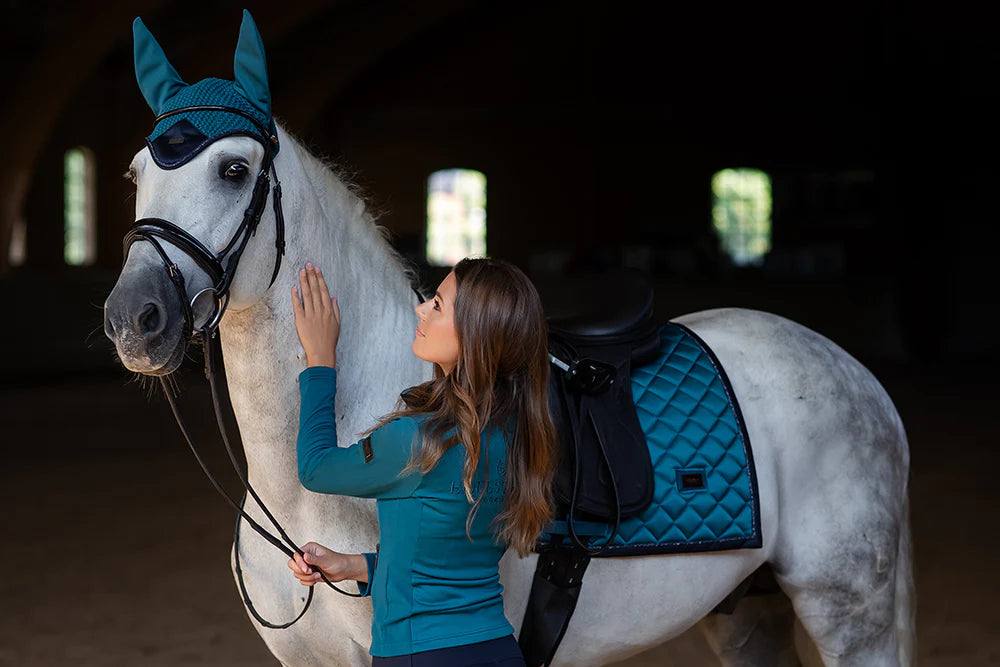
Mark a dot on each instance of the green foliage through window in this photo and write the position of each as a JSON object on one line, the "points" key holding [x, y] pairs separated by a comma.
{"points": [[741, 214], [79, 207]]}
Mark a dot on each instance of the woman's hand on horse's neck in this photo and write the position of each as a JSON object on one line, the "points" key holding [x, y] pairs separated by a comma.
{"points": [[317, 317]]}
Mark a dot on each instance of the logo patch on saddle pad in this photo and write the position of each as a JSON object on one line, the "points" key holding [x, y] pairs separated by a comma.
{"points": [[690, 480]]}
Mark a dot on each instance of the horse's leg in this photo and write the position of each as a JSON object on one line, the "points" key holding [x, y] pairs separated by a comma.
{"points": [[761, 631], [849, 604], [849, 574]]}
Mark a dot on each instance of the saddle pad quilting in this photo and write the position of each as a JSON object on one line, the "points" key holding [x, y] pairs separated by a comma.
{"points": [[693, 427]]}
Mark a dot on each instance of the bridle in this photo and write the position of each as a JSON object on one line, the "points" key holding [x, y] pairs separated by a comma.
{"points": [[150, 229], [221, 268]]}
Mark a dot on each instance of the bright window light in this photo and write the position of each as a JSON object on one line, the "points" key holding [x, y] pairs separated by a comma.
{"points": [[79, 207], [456, 216], [741, 214]]}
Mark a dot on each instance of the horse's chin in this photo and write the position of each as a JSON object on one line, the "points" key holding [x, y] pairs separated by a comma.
{"points": [[153, 363]]}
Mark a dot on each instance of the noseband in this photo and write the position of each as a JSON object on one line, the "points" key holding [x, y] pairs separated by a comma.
{"points": [[221, 268]]}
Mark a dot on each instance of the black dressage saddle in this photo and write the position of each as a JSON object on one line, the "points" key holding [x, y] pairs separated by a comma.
{"points": [[600, 327], [597, 333]]}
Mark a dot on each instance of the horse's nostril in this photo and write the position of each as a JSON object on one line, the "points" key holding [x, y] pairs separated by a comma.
{"points": [[151, 320]]}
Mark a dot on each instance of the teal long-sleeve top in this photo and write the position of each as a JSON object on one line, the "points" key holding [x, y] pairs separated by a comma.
{"points": [[431, 587]]}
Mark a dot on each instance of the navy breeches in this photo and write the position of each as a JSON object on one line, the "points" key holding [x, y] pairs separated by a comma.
{"points": [[503, 652]]}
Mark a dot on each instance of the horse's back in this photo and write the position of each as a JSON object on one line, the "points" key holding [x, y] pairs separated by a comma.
{"points": [[797, 369]]}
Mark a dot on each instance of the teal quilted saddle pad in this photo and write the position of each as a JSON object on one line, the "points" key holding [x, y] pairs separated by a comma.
{"points": [[705, 496]]}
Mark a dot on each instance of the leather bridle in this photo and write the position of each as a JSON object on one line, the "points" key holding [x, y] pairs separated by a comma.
{"points": [[221, 268], [150, 229]]}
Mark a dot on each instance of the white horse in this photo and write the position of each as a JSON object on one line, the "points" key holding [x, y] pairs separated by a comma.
{"points": [[830, 450]]}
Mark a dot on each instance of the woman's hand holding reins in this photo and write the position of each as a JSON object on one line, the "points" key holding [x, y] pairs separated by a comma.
{"points": [[336, 566], [317, 317]]}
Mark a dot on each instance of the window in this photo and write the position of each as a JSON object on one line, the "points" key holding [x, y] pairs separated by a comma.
{"points": [[79, 207], [741, 214], [456, 216]]}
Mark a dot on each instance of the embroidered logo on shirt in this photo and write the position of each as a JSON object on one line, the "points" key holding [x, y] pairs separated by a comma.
{"points": [[493, 490], [366, 446]]}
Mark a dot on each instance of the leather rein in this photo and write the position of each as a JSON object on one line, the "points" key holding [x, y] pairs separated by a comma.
{"points": [[205, 333]]}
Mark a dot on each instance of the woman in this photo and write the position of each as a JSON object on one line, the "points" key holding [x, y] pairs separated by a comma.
{"points": [[461, 471]]}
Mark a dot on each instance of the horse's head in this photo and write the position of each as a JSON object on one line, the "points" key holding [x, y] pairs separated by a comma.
{"points": [[202, 186]]}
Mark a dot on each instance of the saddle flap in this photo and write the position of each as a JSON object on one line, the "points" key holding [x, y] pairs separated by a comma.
{"points": [[605, 470]]}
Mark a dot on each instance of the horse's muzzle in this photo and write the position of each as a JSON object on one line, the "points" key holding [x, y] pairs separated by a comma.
{"points": [[146, 328]]}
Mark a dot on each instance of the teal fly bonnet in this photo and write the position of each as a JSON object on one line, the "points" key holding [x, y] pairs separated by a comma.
{"points": [[178, 137]]}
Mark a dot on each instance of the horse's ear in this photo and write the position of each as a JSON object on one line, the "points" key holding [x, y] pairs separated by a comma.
{"points": [[250, 66], [158, 80]]}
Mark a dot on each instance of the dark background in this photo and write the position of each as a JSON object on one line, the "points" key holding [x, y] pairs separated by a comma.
{"points": [[598, 129]]}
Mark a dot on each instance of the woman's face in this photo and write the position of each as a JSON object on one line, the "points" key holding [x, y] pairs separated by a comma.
{"points": [[435, 339]]}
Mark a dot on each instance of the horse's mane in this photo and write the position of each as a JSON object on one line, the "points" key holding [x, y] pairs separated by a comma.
{"points": [[331, 182]]}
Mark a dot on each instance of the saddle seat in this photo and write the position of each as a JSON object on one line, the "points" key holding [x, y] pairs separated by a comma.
{"points": [[599, 306]]}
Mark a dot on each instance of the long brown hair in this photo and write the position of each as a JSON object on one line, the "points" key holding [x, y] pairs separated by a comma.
{"points": [[501, 379]]}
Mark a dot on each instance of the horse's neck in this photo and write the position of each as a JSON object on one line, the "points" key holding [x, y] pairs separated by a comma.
{"points": [[263, 356]]}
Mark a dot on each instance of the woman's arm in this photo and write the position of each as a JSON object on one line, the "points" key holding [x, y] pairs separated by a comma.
{"points": [[369, 468]]}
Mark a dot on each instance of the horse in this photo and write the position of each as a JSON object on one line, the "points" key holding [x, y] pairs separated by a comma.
{"points": [[829, 447]]}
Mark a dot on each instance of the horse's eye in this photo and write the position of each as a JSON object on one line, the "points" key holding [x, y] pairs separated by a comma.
{"points": [[233, 171]]}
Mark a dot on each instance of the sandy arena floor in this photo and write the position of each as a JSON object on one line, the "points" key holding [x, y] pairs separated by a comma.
{"points": [[117, 549]]}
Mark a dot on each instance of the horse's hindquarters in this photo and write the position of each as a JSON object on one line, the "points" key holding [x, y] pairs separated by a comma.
{"points": [[838, 464]]}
